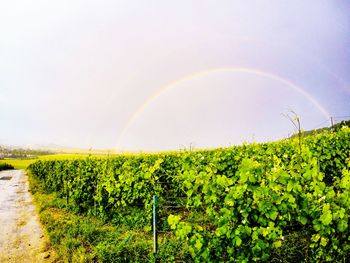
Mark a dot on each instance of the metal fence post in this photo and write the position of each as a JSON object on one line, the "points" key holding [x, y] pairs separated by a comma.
{"points": [[155, 237]]}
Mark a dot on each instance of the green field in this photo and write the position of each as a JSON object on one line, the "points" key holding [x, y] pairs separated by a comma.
{"points": [[19, 164], [24, 163]]}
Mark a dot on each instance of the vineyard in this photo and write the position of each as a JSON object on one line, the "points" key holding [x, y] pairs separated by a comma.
{"points": [[287, 201]]}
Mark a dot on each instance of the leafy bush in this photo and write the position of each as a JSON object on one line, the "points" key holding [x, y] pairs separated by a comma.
{"points": [[251, 212], [6, 166], [242, 203]]}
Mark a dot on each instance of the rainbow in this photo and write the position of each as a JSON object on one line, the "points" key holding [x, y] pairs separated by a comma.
{"points": [[173, 84]]}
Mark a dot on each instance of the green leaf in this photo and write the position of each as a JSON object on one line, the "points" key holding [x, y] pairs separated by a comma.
{"points": [[326, 217], [277, 244], [256, 249], [238, 241], [290, 186], [315, 238], [173, 221], [273, 215], [342, 225], [303, 220], [198, 244]]}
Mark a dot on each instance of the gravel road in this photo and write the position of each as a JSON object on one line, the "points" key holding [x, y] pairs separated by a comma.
{"points": [[21, 236]]}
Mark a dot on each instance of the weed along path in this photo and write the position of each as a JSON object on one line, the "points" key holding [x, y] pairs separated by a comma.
{"points": [[21, 235]]}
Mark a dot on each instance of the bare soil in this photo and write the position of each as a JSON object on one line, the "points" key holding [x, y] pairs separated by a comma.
{"points": [[22, 238]]}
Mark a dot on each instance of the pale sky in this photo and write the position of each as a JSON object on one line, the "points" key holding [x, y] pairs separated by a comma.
{"points": [[164, 75]]}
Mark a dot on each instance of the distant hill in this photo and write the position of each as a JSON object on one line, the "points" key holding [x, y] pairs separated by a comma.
{"points": [[33, 150], [20, 153]]}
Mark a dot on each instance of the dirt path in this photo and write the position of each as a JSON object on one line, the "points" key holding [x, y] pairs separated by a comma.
{"points": [[21, 236]]}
